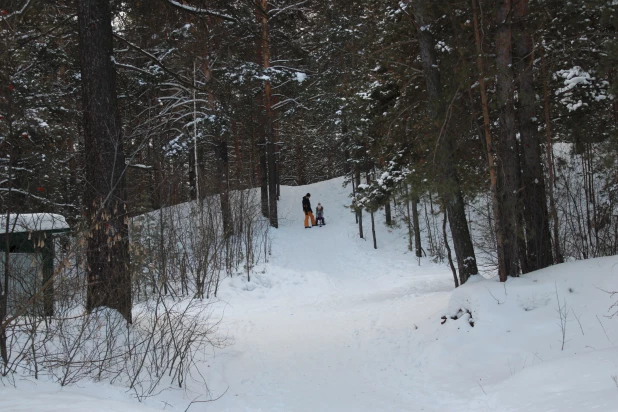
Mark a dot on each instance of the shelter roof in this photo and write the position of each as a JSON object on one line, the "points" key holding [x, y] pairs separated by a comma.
{"points": [[33, 222]]}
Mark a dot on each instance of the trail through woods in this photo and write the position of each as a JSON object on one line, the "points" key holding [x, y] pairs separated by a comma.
{"points": [[334, 325], [330, 324]]}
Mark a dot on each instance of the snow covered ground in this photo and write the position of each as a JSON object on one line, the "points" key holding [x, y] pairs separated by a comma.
{"points": [[330, 324]]}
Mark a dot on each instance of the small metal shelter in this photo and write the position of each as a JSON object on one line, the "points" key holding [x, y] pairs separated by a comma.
{"points": [[29, 240]]}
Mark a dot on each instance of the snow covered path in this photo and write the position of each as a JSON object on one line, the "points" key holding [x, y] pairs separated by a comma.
{"points": [[327, 324], [330, 325], [325, 263], [334, 325]]}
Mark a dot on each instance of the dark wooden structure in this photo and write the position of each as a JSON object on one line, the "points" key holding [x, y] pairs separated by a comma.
{"points": [[29, 241]]}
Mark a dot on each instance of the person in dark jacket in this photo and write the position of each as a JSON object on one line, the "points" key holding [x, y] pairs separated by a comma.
{"points": [[319, 211], [308, 211]]}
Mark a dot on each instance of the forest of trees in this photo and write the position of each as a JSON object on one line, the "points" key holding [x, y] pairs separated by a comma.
{"points": [[498, 116]]}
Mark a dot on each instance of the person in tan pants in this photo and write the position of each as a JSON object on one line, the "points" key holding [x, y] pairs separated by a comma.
{"points": [[308, 211]]}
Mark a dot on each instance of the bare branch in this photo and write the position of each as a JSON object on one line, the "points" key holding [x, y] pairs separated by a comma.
{"points": [[18, 12], [157, 62], [279, 11], [198, 10]]}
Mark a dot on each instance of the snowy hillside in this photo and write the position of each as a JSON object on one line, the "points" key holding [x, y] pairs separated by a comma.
{"points": [[330, 324]]}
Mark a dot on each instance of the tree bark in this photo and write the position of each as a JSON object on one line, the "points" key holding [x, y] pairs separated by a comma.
{"points": [[538, 240], [409, 217], [222, 159], [238, 155], [253, 166], [8, 206], [373, 223], [507, 148], [450, 190], [270, 131], [448, 249], [261, 130], [417, 226], [489, 143], [550, 164], [263, 170], [300, 165], [462, 241], [109, 281], [277, 146], [388, 213], [192, 181], [359, 213], [373, 232]]}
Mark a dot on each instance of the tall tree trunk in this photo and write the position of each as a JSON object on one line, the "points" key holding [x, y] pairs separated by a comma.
{"points": [[448, 249], [222, 161], [278, 162], [238, 155], [359, 213], [109, 281], [192, 180], [157, 173], [417, 226], [4, 290], [462, 241], [450, 188], [373, 223], [489, 144], [300, 165], [507, 147], [196, 164], [521, 235], [4, 282], [550, 163], [538, 241], [408, 217], [373, 231], [346, 165], [270, 131], [354, 194], [253, 166], [159, 201], [388, 213], [263, 169]]}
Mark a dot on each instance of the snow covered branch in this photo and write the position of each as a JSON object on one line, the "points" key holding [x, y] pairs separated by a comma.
{"points": [[21, 11], [155, 60], [199, 10], [42, 199], [133, 68], [276, 12]]}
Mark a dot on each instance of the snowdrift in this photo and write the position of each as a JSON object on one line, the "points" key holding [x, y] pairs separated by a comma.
{"points": [[549, 338]]}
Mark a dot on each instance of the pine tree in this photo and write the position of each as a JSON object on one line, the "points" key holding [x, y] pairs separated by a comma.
{"points": [[109, 281]]}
